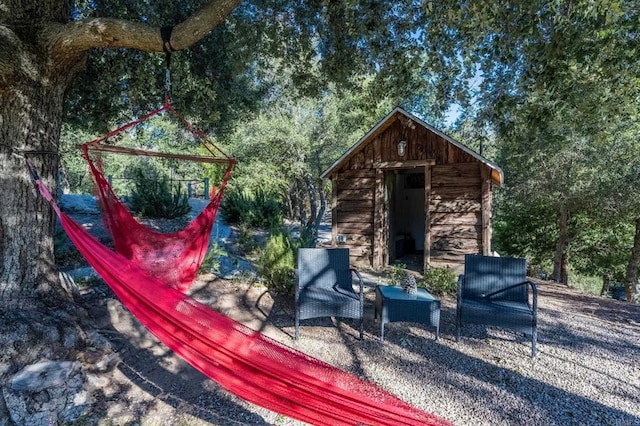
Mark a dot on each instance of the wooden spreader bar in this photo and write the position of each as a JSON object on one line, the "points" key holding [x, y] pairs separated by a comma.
{"points": [[133, 151]]}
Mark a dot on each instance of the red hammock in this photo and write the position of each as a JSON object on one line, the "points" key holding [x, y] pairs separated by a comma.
{"points": [[173, 258], [245, 362]]}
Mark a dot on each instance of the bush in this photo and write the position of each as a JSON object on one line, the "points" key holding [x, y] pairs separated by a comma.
{"points": [[276, 263], [211, 261], [440, 281], [153, 196], [259, 209], [397, 273]]}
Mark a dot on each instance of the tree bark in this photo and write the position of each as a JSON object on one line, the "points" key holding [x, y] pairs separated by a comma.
{"points": [[631, 283], [323, 205], [313, 201], [560, 259], [41, 51], [26, 220], [606, 285]]}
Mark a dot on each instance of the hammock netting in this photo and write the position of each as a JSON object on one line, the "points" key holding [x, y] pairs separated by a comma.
{"points": [[174, 258], [254, 367]]}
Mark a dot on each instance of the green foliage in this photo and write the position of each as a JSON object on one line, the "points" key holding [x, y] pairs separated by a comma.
{"points": [[246, 240], [555, 87], [153, 196], [307, 238], [586, 283], [397, 273], [440, 281], [276, 263], [211, 261], [261, 208]]}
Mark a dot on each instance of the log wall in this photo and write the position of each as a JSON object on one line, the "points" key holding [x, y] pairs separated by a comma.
{"points": [[455, 208], [354, 212]]}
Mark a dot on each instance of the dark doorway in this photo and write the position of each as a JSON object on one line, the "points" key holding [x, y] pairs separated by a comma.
{"points": [[405, 210]]}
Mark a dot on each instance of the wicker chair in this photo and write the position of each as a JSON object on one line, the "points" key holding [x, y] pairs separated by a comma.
{"points": [[324, 286], [494, 291]]}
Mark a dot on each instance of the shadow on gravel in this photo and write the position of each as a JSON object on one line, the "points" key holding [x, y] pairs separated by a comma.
{"points": [[157, 371], [484, 386]]}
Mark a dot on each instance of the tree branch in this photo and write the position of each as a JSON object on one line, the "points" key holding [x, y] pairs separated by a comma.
{"points": [[74, 39]]}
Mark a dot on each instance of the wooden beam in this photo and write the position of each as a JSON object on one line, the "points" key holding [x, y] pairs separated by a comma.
{"points": [[486, 211], [427, 218], [411, 164], [133, 151], [380, 253]]}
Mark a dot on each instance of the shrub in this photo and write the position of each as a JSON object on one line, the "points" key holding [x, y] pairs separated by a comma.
{"points": [[153, 196], [439, 281], [276, 263], [211, 261], [259, 208], [397, 273], [233, 204]]}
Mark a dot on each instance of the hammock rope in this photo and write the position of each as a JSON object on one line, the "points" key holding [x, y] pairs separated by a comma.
{"points": [[174, 258], [243, 361]]}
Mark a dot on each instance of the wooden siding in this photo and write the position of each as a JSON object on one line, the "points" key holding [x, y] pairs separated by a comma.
{"points": [[353, 214], [456, 212], [422, 145]]}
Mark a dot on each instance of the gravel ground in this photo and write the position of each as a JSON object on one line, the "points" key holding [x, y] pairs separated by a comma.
{"points": [[587, 371]]}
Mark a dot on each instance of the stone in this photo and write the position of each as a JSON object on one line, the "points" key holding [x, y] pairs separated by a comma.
{"points": [[48, 392], [43, 375]]}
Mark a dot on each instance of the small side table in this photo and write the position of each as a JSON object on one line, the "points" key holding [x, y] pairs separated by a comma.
{"points": [[394, 305]]}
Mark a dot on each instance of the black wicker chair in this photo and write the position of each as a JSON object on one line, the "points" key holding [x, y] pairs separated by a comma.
{"points": [[324, 286], [494, 291]]}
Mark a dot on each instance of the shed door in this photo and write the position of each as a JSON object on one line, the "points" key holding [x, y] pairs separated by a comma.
{"points": [[406, 216]]}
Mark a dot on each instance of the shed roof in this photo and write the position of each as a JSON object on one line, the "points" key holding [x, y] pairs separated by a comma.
{"points": [[497, 175]]}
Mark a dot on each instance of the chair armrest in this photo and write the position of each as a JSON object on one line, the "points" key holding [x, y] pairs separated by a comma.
{"points": [[459, 292], [534, 291], [360, 282]]}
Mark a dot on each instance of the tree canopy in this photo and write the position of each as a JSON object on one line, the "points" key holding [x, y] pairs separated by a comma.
{"points": [[551, 87]]}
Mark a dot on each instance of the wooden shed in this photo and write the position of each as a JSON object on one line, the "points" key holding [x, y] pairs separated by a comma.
{"points": [[408, 192]]}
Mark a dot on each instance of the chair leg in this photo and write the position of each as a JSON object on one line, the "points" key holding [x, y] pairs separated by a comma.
{"points": [[297, 325], [534, 341], [361, 328]]}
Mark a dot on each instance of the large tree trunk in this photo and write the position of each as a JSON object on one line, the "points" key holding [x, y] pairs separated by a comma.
{"points": [[32, 88], [30, 129], [631, 283], [560, 259]]}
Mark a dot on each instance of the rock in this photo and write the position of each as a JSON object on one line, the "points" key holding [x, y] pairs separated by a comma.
{"points": [[42, 375], [82, 274], [47, 392]]}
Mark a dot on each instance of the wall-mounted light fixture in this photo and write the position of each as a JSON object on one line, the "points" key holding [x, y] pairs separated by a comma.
{"points": [[402, 147]]}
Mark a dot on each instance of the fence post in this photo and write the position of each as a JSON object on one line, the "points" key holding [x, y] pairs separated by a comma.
{"points": [[206, 188]]}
